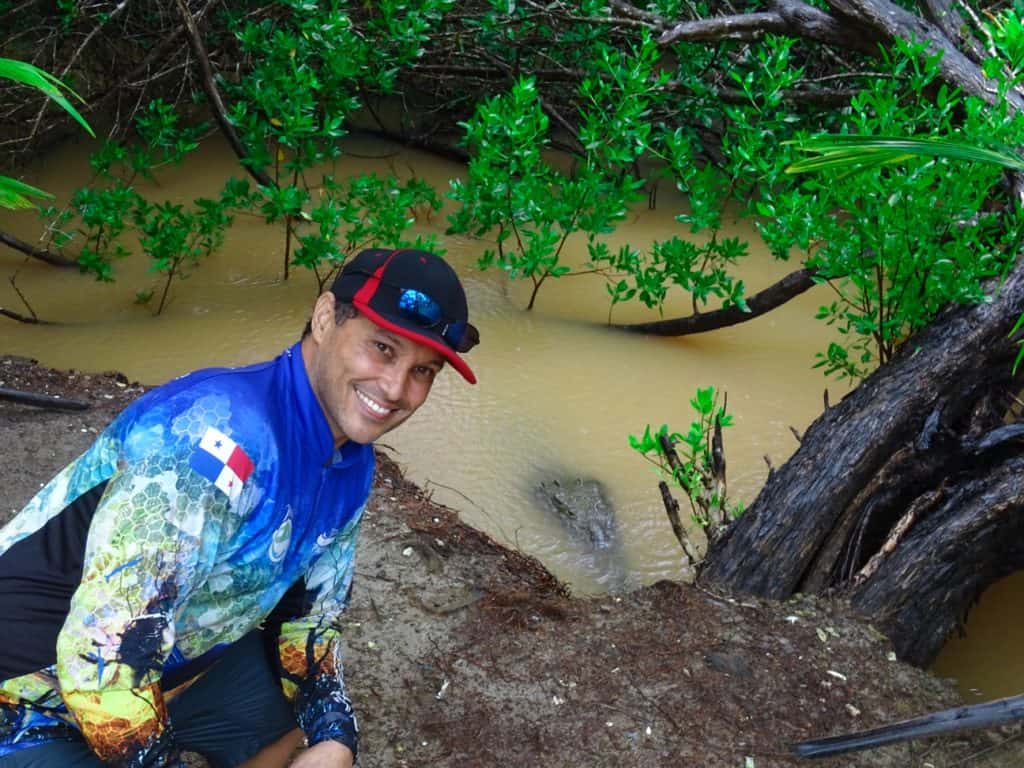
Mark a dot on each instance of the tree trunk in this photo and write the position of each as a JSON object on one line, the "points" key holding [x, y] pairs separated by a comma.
{"points": [[902, 496], [972, 537], [890, 21]]}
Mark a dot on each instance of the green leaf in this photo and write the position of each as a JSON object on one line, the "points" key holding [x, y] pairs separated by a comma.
{"points": [[1020, 352]]}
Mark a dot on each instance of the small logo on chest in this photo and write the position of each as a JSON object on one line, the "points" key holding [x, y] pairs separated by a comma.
{"points": [[324, 540], [280, 540]]}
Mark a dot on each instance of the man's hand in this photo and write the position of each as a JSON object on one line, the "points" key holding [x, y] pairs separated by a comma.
{"points": [[326, 754]]}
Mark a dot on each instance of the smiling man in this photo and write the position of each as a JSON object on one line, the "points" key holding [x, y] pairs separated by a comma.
{"points": [[178, 586]]}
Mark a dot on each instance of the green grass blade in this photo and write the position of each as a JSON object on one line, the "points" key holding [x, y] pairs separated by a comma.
{"points": [[27, 74], [16, 194], [856, 151]]}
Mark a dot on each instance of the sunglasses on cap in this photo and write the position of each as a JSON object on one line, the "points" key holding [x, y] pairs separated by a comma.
{"points": [[425, 312], [416, 306]]}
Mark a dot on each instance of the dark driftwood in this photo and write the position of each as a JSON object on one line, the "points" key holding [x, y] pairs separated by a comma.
{"points": [[924, 433], [789, 287], [982, 715], [38, 400], [49, 257], [672, 510]]}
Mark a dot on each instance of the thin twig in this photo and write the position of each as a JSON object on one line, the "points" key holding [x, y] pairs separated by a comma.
{"points": [[104, 20]]}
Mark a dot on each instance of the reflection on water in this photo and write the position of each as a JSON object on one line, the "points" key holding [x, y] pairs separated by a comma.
{"points": [[559, 392], [987, 662]]}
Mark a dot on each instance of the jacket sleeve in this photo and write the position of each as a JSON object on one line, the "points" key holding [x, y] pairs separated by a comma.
{"points": [[142, 555], [310, 647]]}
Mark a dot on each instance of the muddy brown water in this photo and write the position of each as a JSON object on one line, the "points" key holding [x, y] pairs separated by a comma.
{"points": [[559, 392]]}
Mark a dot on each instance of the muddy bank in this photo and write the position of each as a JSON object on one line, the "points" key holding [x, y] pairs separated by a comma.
{"points": [[463, 653]]}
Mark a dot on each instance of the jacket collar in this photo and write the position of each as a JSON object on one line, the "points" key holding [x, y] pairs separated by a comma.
{"points": [[309, 416]]}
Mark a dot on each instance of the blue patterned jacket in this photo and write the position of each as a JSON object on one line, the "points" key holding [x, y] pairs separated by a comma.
{"points": [[212, 505]]}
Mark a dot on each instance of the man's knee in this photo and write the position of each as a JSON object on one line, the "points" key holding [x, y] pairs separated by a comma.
{"points": [[236, 711]]}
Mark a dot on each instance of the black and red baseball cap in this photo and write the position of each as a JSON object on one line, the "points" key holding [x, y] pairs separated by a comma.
{"points": [[415, 294]]}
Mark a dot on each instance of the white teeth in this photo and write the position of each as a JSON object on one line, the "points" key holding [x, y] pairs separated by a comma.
{"points": [[373, 405]]}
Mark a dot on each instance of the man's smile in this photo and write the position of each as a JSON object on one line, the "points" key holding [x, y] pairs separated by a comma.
{"points": [[375, 407]]}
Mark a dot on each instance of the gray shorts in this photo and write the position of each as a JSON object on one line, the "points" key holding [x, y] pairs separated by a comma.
{"points": [[232, 712]]}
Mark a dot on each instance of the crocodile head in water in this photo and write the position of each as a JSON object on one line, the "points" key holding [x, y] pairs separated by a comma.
{"points": [[583, 509]]}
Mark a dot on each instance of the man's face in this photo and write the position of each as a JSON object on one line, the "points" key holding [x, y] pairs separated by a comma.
{"points": [[367, 379]]}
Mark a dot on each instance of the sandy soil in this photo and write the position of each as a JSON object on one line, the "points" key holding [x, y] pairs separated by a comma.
{"points": [[462, 653]]}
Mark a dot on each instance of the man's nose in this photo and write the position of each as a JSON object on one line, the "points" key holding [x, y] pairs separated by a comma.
{"points": [[393, 383]]}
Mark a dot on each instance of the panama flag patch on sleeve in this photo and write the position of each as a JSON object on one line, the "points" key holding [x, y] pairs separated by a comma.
{"points": [[221, 460]]}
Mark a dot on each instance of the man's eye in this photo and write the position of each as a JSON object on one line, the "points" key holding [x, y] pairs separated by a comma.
{"points": [[382, 347], [426, 372]]}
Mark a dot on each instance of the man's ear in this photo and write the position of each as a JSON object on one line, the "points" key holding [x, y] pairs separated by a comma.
{"points": [[323, 316]]}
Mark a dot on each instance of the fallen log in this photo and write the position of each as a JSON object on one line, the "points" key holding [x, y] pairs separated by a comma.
{"points": [[56, 259], [775, 295], [39, 400]]}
